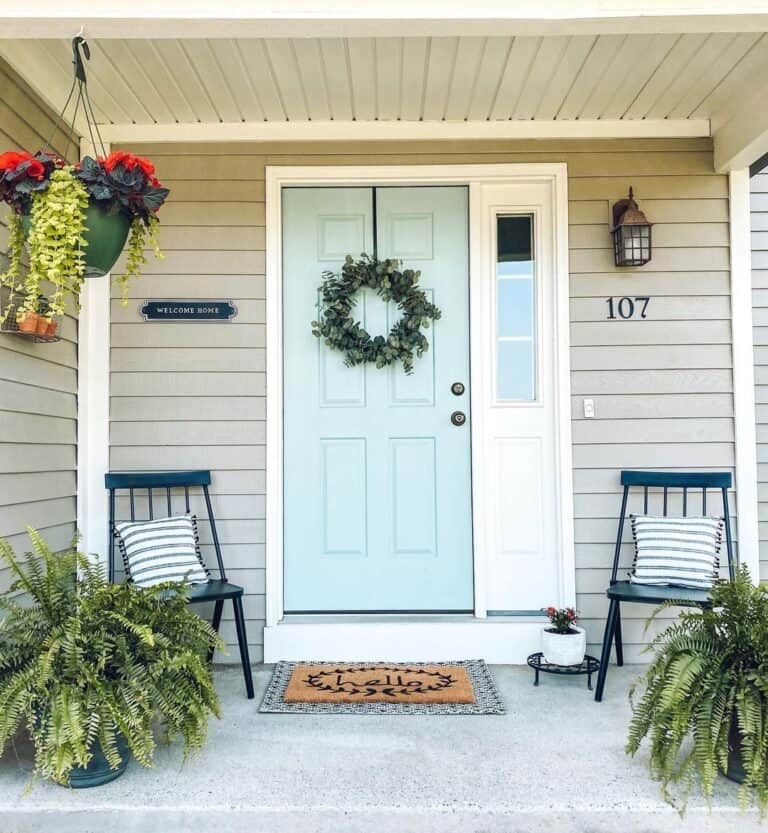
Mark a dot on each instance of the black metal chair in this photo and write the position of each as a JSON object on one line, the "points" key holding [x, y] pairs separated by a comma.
{"points": [[216, 590], [625, 591]]}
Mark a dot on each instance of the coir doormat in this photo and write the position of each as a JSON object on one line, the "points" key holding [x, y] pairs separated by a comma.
{"points": [[464, 687]]}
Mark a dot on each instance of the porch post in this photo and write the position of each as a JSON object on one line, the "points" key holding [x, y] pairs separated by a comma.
{"points": [[743, 371], [93, 409]]}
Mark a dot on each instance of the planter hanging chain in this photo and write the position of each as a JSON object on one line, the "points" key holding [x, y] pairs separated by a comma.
{"points": [[78, 90]]}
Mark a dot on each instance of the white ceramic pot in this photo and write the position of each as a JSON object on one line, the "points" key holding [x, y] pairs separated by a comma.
{"points": [[564, 648]]}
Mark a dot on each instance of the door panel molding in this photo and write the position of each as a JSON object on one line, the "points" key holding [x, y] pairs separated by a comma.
{"points": [[554, 176]]}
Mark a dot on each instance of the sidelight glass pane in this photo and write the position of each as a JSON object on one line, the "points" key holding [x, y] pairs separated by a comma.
{"points": [[515, 371], [514, 312], [515, 309]]}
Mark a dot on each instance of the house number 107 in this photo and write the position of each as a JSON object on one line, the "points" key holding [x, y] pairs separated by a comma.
{"points": [[627, 307]]}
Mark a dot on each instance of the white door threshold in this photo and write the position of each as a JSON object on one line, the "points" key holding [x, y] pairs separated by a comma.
{"points": [[441, 638]]}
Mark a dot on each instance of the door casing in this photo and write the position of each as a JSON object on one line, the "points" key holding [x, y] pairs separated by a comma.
{"points": [[479, 178]]}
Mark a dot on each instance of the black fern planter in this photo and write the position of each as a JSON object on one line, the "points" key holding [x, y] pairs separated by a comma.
{"points": [[735, 771], [98, 771]]}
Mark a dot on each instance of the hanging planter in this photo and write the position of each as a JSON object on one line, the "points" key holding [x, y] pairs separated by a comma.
{"points": [[104, 234], [73, 220]]}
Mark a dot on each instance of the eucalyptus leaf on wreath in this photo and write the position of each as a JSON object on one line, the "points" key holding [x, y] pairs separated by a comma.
{"points": [[337, 326]]}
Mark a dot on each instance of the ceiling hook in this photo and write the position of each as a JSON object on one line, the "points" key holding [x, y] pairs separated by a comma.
{"points": [[79, 42]]}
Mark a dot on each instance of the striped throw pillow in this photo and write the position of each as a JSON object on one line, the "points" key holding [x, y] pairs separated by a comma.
{"points": [[161, 550], [680, 552]]}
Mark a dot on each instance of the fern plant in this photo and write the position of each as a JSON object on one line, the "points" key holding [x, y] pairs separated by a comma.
{"points": [[706, 693], [85, 663]]}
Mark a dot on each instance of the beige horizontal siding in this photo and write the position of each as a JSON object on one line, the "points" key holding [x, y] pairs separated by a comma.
{"points": [[38, 382], [193, 395], [759, 189]]}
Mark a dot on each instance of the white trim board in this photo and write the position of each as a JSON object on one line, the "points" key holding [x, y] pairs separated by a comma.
{"points": [[319, 131], [743, 371], [281, 634], [508, 640], [346, 18], [93, 415], [93, 343]]}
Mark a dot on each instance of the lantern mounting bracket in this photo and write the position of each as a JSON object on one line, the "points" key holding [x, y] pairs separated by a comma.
{"points": [[622, 206]]}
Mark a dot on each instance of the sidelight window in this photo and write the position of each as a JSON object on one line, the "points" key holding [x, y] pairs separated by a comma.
{"points": [[515, 309]]}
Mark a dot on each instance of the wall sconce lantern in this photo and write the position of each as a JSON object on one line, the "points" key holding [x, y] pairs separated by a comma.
{"points": [[631, 234]]}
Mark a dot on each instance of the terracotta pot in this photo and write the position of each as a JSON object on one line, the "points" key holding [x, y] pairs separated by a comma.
{"points": [[28, 322], [564, 648], [53, 325], [42, 325]]}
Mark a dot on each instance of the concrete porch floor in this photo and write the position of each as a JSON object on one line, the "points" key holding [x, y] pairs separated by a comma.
{"points": [[554, 762]]}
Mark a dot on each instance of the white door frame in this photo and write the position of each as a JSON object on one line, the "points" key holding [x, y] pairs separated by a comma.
{"points": [[474, 176]]}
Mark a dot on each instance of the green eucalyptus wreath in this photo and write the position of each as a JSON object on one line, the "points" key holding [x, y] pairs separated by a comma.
{"points": [[340, 330]]}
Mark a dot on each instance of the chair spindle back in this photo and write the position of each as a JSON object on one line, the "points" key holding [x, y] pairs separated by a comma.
{"points": [[682, 483], [169, 481]]}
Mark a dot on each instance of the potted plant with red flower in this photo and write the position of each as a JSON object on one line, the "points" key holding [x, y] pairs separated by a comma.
{"points": [[563, 642], [124, 198], [73, 221]]}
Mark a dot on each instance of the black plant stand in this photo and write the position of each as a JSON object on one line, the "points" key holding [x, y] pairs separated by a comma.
{"points": [[588, 666]]}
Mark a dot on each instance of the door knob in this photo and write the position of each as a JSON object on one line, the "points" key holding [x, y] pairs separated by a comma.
{"points": [[458, 417], [457, 388]]}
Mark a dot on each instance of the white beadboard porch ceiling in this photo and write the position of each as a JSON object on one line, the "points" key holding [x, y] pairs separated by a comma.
{"points": [[663, 76]]}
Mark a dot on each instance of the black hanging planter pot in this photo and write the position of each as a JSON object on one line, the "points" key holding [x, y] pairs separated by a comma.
{"points": [[735, 771], [98, 771], [106, 235]]}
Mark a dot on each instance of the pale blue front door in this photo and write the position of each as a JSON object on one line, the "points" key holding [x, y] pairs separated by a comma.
{"points": [[377, 491]]}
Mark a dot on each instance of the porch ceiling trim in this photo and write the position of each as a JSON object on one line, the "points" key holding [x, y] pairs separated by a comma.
{"points": [[744, 138], [348, 18], [287, 131]]}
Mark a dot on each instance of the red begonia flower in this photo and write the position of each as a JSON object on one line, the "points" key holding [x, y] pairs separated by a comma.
{"points": [[145, 165], [115, 158], [36, 169], [11, 160], [129, 161]]}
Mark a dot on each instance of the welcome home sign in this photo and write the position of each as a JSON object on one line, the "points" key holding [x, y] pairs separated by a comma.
{"points": [[198, 309]]}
